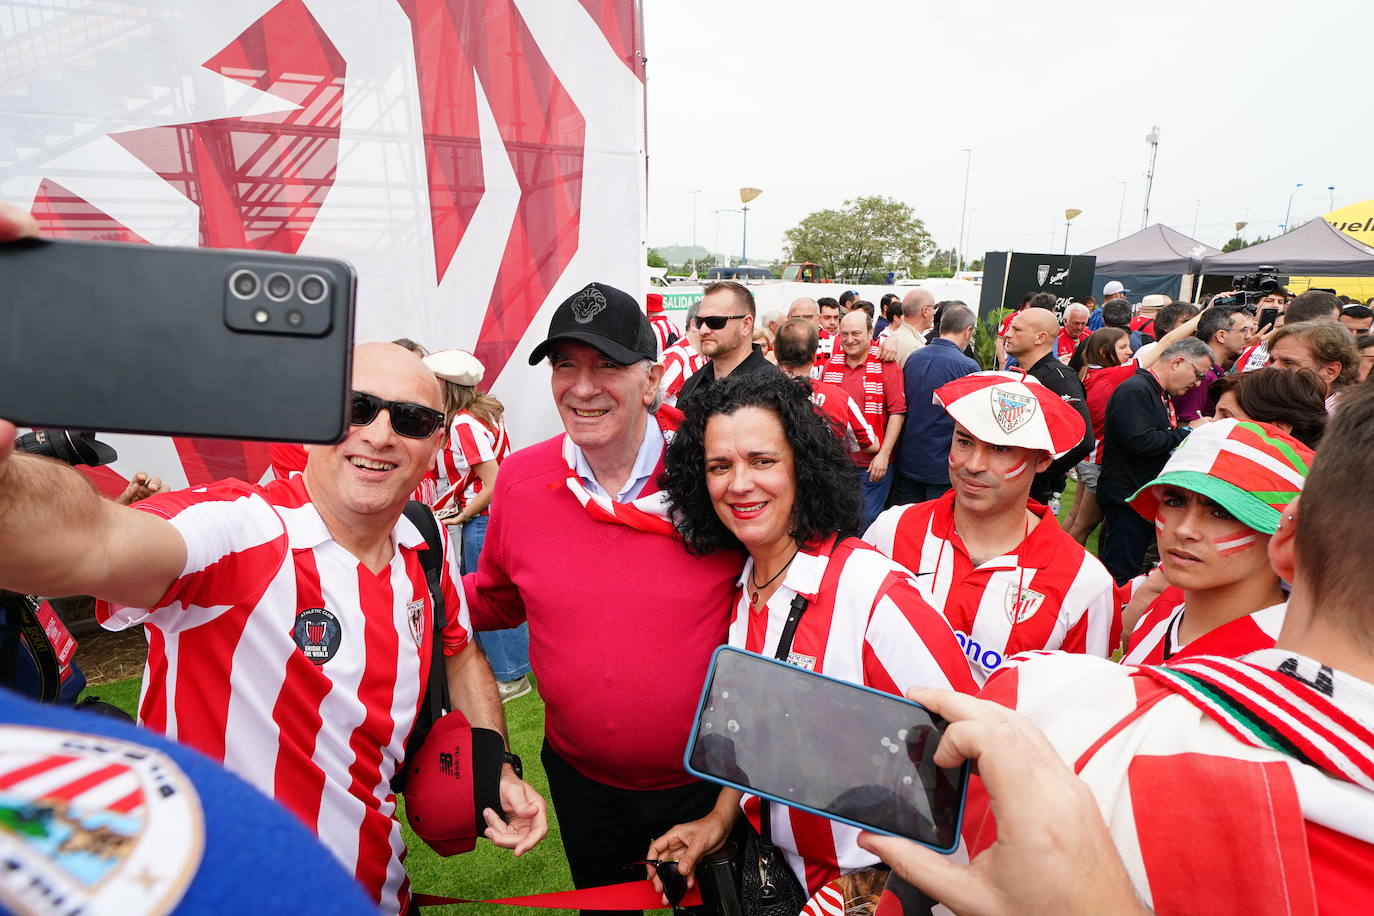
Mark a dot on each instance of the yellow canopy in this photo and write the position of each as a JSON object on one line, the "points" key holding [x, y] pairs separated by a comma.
{"points": [[1356, 221]]}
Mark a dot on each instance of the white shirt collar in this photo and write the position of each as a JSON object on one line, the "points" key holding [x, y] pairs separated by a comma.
{"points": [[646, 462]]}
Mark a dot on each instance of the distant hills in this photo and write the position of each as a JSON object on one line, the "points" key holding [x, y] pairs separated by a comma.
{"points": [[679, 254]]}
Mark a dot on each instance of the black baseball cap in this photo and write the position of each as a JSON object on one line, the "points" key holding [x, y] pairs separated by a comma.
{"points": [[602, 316]]}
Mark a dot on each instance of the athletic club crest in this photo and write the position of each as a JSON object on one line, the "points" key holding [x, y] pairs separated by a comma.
{"points": [[1011, 410], [317, 633], [588, 304], [1022, 603], [415, 613], [93, 825], [1042, 273]]}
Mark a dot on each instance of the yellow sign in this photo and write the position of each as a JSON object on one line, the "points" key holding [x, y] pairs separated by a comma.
{"points": [[1356, 221]]}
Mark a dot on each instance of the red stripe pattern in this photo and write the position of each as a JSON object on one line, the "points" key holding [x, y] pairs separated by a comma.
{"points": [[470, 443], [316, 716]]}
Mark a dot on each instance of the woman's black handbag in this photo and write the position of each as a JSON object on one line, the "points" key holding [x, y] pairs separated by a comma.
{"points": [[749, 876]]}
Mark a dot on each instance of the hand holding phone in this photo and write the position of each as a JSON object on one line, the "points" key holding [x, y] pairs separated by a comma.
{"points": [[840, 750], [1072, 868]]}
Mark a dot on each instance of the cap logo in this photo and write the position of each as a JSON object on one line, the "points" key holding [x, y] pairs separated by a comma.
{"points": [[1011, 410], [588, 304]]}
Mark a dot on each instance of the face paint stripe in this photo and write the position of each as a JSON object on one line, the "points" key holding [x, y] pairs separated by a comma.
{"points": [[1016, 471], [1235, 545]]}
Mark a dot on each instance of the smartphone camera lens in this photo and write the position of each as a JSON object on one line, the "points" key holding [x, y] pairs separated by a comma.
{"points": [[244, 284], [295, 318], [313, 289], [278, 286]]}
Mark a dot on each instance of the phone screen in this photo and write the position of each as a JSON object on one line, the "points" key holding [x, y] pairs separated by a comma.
{"points": [[844, 751], [1267, 317]]}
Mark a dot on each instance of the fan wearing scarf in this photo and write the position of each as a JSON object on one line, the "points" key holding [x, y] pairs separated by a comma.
{"points": [[1215, 506], [622, 621], [1227, 785]]}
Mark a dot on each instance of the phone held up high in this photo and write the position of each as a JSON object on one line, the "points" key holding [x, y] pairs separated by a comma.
{"points": [[1267, 317], [175, 341], [846, 752]]}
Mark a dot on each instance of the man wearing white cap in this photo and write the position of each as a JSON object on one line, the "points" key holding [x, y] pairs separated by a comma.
{"points": [[1006, 576]]}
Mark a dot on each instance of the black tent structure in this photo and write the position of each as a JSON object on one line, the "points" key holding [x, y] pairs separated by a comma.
{"points": [[1153, 260], [1315, 249]]}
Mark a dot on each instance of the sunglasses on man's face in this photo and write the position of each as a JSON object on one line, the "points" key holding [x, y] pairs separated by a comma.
{"points": [[414, 421], [716, 322]]}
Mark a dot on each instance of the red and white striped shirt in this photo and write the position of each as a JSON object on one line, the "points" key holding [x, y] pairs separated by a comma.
{"points": [[1227, 785], [873, 629], [665, 332], [470, 443], [1155, 641], [844, 413], [1049, 593], [282, 656], [825, 348], [680, 362]]}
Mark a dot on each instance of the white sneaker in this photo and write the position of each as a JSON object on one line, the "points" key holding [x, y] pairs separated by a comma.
{"points": [[509, 690]]}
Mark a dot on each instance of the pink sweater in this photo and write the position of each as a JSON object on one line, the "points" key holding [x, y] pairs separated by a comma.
{"points": [[622, 622]]}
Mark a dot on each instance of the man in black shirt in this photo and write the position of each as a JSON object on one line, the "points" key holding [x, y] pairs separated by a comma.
{"points": [[1139, 436], [1031, 339], [725, 319]]}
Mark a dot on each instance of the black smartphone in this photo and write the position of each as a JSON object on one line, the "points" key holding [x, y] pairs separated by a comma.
{"points": [[175, 341], [1267, 317], [827, 746]]}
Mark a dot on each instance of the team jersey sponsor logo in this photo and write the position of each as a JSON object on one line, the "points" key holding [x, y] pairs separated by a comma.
{"points": [[985, 658], [318, 634], [802, 661], [1011, 410], [415, 612], [93, 825], [588, 304], [1021, 603]]}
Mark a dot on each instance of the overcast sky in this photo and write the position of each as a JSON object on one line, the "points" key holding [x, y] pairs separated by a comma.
{"points": [[817, 101]]}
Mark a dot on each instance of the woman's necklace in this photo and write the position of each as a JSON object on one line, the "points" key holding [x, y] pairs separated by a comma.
{"points": [[755, 588]]}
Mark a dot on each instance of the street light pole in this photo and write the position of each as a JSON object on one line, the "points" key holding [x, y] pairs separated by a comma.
{"points": [[1288, 214], [1331, 201], [694, 231], [1197, 206], [1151, 138], [963, 210], [1121, 211]]}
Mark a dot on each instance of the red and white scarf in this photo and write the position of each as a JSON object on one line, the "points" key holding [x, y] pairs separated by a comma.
{"points": [[873, 384], [649, 512]]}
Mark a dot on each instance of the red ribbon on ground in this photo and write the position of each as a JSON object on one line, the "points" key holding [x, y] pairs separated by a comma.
{"points": [[632, 895]]}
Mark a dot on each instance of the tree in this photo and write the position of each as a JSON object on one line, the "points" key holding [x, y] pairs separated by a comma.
{"points": [[1237, 243], [655, 260], [868, 235]]}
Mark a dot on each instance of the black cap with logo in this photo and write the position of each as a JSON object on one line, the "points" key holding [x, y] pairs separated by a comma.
{"points": [[603, 317]]}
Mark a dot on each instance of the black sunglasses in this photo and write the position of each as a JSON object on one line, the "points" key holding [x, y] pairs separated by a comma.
{"points": [[716, 322], [414, 421]]}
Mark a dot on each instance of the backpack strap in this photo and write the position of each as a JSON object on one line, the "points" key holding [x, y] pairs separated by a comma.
{"points": [[432, 561]]}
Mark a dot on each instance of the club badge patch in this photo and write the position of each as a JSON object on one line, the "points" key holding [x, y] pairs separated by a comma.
{"points": [[318, 634], [588, 304], [1022, 603], [1011, 410], [93, 825], [415, 613]]}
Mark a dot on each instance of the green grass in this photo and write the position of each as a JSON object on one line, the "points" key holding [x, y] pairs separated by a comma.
{"points": [[486, 872], [1066, 506]]}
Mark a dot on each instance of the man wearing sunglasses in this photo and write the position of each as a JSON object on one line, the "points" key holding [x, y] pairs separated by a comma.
{"points": [[289, 624], [725, 324]]}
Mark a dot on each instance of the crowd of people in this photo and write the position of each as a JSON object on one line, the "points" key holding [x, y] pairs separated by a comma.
{"points": [[842, 487]]}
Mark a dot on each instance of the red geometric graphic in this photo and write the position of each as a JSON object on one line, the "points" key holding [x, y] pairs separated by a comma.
{"points": [[259, 181], [448, 111], [63, 215], [545, 137], [619, 21]]}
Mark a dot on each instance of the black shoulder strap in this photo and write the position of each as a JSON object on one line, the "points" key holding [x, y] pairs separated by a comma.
{"points": [[22, 627], [432, 561]]}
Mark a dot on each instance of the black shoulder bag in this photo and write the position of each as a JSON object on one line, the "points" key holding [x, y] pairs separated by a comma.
{"points": [[436, 700]]}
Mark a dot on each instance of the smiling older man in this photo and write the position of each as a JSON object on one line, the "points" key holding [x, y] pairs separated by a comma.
{"points": [[622, 620]]}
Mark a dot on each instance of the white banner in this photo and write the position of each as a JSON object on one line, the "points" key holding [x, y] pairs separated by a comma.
{"points": [[476, 160]]}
